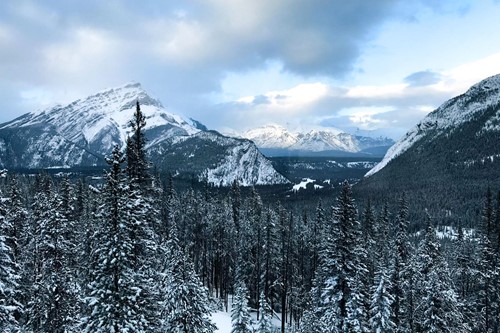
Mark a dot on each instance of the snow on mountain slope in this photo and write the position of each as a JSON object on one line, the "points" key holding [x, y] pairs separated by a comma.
{"points": [[325, 140], [217, 159], [314, 140], [271, 136], [83, 132], [101, 120], [450, 116]]}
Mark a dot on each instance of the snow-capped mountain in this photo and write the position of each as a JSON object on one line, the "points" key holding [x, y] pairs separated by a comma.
{"points": [[479, 106], [447, 161], [316, 140], [84, 131], [271, 136], [217, 158]]}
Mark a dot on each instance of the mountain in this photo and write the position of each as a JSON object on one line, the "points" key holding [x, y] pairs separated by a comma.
{"points": [[83, 132], [449, 158], [277, 139]]}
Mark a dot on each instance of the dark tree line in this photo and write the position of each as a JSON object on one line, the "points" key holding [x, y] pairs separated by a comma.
{"points": [[131, 254]]}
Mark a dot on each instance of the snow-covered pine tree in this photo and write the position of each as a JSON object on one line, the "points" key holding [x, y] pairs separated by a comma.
{"points": [[357, 315], [10, 305], [17, 237], [270, 258], [342, 259], [254, 216], [143, 219], [57, 273], [264, 324], [16, 214], [381, 309], [439, 308], [113, 293], [400, 274], [488, 272], [32, 258], [185, 304], [240, 313], [369, 243]]}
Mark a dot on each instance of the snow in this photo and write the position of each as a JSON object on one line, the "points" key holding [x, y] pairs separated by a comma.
{"points": [[310, 139], [243, 163], [222, 319], [302, 184], [87, 118], [449, 116], [397, 149]]}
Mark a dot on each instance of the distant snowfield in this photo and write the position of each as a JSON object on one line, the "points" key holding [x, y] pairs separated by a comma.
{"points": [[302, 184]]}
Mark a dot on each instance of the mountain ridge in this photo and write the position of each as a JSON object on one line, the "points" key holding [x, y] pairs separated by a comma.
{"points": [[450, 114], [316, 140], [448, 160], [83, 132]]}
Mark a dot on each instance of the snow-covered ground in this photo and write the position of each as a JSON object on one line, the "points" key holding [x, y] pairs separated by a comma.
{"points": [[222, 320]]}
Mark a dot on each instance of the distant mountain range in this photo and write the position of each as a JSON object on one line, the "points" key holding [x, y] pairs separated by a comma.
{"points": [[275, 140], [83, 132], [448, 160]]}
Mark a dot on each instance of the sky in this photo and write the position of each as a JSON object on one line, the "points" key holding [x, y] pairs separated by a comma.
{"points": [[371, 67]]}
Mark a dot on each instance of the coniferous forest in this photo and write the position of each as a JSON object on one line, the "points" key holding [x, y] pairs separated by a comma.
{"points": [[129, 253]]}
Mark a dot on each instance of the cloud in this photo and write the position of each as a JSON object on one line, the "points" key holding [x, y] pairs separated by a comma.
{"points": [[178, 48], [183, 51], [423, 78]]}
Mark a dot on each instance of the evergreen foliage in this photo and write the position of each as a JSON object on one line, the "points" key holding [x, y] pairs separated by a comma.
{"points": [[185, 304], [114, 292], [10, 305], [240, 313]]}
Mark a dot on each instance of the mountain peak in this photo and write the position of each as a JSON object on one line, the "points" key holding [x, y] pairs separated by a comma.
{"points": [[123, 97], [311, 138]]}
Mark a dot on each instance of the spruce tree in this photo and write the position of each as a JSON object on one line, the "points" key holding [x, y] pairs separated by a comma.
{"points": [[264, 324], [137, 164], [381, 305], [185, 304], [439, 308], [113, 293], [343, 262], [10, 305], [240, 313]]}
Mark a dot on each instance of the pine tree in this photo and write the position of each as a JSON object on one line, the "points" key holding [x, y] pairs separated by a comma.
{"points": [[137, 164], [487, 268], [57, 273], [240, 313], [32, 276], [381, 305], [185, 305], [400, 274], [439, 307], [114, 291], [264, 324], [343, 262], [10, 305]]}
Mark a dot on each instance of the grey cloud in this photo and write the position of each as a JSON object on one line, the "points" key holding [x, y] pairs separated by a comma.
{"points": [[260, 99], [316, 38], [309, 37], [423, 78]]}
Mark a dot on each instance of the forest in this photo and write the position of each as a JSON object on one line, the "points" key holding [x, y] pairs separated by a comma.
{"points": [[130, 253]]}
